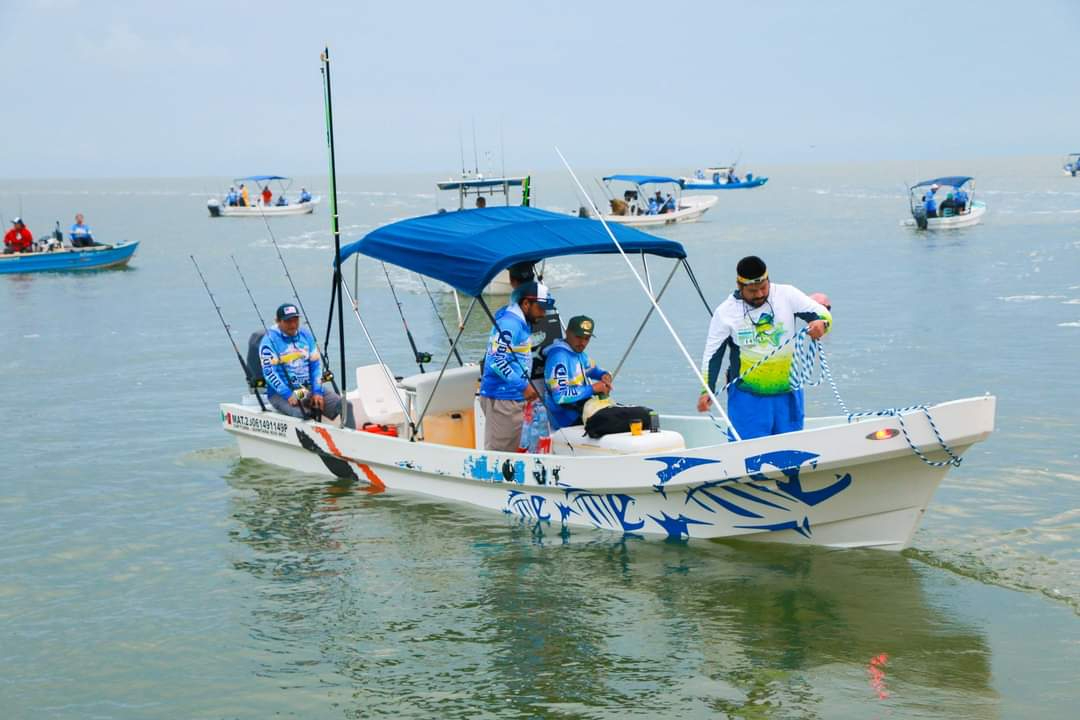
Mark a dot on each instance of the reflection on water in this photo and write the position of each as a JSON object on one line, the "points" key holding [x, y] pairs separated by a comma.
{"points": [[426, 610]]}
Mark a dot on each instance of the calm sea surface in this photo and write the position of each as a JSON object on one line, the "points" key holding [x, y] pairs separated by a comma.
{"points": [[147, 572]]}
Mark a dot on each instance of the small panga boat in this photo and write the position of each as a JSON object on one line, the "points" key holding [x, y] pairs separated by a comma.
{"points": [[721, 177], [220, 207], [97, 257], [633, 206], [949, 212]]}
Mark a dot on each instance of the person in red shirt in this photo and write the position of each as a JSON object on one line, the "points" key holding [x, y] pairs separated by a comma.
{"points": [[267, 196], [18, 239]]}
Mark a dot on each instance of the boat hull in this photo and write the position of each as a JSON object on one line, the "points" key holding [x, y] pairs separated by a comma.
{"points": [[690, 210], [830, 485], [978, 209], [69, 259], [217, 209], [691, 184]]}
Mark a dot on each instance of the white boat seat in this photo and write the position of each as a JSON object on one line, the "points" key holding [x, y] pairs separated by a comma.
{"points": [[455, 391], [573, 441], [374, 400]]}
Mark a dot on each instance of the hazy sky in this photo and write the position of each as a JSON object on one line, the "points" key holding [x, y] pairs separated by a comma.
{"points": [[225, 88]]}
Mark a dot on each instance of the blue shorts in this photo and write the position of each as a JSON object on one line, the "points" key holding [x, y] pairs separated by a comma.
{"points": [[760, 415]]}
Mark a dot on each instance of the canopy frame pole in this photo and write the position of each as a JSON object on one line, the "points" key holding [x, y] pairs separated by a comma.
{"points": [[694, 282], [674, 335], [371, 343], [641, 327], [442, 370], [645, 267]]}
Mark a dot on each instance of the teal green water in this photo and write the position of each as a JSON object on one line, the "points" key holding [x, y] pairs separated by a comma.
{"points": [[148, 572]]}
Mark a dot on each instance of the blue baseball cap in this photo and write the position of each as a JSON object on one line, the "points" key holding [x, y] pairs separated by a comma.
{"points": [[287, 311]]}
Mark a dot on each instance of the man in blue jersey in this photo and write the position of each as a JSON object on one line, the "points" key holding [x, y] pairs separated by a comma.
{"points": [[80, 233], [292, 368], [504, 385], [572, 376]]}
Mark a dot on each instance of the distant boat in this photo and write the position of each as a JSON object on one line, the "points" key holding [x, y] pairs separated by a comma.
{"points": [[474, 183], [1071, 166], [634, 208], [957, 209], [722, 177], [228, 206], [68, 259]]}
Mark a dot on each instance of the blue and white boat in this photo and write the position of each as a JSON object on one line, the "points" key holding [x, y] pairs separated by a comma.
{"points": [[944, 203], [298, 205], [69, 259], [1071, 166], [722, 177], [636, 207], [847, 481]]}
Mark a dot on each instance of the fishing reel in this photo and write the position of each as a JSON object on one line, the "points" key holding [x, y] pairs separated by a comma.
{"points": [[423, 358], [328, 376]]}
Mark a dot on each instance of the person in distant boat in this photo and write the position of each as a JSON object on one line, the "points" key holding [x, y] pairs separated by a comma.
{"points": [[571, 375], [305, 196], [245, 200], [267, 195], [504, 384], [281, 201], [80, 233], [669, 204], [930, 202], [732, 178], [520, 273], [754, 321], [19, 238], [232, 199], [948, 206], [961, 199], [292, 368], [481, 202]]}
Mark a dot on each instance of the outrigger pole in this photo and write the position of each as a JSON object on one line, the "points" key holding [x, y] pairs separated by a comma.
{"points": [[338, 280], [645, 289], [243, 365]]}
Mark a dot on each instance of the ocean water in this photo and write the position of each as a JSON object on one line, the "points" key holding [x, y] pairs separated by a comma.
{"points": [[149, 572]]}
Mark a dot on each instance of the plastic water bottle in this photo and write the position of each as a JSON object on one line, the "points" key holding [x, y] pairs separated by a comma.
{"points": [[524, 445], [541, 430]]}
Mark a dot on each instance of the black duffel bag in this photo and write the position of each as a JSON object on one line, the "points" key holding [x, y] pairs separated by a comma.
{"points": [[616, 419]]}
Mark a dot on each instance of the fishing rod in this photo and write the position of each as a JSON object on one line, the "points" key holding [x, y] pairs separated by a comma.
{"points": [[243, 365], [338, 280], [442, 322], [420, 357], [663, 316]]}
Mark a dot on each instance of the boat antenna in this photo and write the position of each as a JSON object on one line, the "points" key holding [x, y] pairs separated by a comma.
{"points": [[336, 287], [476, 157], [660, 312], [243, 365], [461, 148], [420, 357]]}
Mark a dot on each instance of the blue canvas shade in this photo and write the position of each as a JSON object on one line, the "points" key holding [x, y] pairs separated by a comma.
{"points": [[951, 181], [262, 178], [643, 179], [468, 248]]}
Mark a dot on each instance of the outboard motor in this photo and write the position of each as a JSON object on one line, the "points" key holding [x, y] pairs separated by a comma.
{"points": [[583, 212], [214, 207], [919, 213], [551, 327], [254, 365]]}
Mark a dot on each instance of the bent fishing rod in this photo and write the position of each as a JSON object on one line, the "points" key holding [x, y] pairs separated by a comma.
{"points": [[243, 365], [294, 384]]}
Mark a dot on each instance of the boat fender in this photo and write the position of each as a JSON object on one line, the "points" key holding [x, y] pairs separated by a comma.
{"points": [[388, 430]]}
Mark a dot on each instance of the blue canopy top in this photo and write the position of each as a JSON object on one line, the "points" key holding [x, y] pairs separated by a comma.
{"points": [[643, 179], [263, 178], [467, 248], [954, 181]]}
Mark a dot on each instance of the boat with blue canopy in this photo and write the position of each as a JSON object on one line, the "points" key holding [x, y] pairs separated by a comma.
{"points": [[848, 481], [1071, 165], [944, 203], [267, 196], [666, 205], [69, 259], [721, 177]]}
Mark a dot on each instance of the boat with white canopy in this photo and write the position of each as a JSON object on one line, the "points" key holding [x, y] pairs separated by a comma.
{"points": [[944, 203], [721, 177], [1071, 165], [274, 187], [860, 480], [637, 208]]}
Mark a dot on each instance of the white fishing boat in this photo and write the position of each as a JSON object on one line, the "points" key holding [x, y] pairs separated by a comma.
{"points": [[488, 191], [279, 204], [635, 207], [956, 209], [841, 482], [1071, 165], [721, 177]]}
